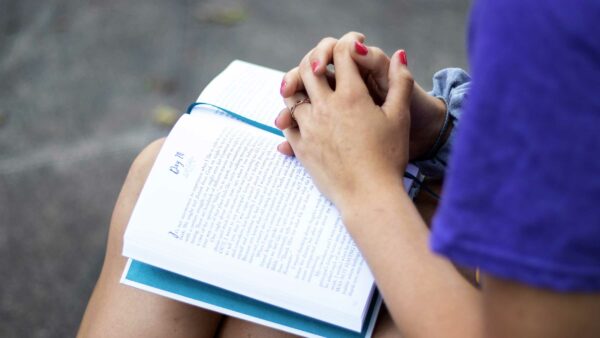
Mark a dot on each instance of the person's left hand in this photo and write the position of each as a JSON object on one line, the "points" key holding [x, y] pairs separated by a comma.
{"points": [[345, 141]]}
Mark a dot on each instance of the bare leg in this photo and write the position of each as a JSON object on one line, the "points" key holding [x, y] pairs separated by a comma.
{"points": [[233, 327], [117, 310], [385, 326]]}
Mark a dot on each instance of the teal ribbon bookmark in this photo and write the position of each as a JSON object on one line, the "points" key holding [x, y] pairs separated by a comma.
{"points": [[237, 117]]}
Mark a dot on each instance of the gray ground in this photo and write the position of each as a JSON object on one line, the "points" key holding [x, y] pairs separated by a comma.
{"points": [[79, 85]]}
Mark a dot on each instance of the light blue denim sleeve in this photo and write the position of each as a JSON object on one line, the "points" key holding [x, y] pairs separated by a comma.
{"points": [[450, 85]]}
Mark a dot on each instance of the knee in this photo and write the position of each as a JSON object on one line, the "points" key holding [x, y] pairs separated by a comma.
{"points": [[138, 172], [140, 168]]}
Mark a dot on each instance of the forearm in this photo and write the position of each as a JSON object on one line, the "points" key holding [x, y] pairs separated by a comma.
{"points": [[424, 293]]}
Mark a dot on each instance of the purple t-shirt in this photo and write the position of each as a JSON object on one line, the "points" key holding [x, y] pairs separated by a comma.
{"points": [[522, 193]]}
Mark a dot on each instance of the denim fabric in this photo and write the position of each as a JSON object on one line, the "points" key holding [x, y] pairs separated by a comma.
{"points": [[450, 85]]}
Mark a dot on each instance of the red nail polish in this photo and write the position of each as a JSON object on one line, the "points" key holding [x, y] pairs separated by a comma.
{"points": [[282, 87], [360, 48], [314, 65], [403, 58]]}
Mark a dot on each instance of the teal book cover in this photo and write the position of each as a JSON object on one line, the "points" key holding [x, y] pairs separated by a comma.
{"points": [[207, 296]]}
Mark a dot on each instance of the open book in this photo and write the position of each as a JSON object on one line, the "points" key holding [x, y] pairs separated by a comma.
{"points": [[227, 223]]}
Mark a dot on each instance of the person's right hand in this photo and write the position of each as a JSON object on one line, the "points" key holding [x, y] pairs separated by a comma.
{"points": [[427, 112]]}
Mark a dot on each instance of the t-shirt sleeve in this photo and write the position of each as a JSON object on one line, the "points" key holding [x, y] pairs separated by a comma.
{"points": [[522, 195]]}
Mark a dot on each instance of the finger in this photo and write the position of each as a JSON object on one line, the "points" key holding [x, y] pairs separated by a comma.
{"points": [[322, 55], [284, 120], [347, 75], [292, 99], [330, 79], [292, 135], [374, 63], [300, 111], [397, 101], [285, 148], [316, 86], [291, 83]]}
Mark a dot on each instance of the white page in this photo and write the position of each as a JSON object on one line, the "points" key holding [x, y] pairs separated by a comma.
{"points": [[247, 89], [220, 195]]}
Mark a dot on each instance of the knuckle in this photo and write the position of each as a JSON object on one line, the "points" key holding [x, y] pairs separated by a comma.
{"points": [[304, 66], [327, 41], [377, 50], [379, 53], [290, 76], [347, 41], [407, 77], [305, 58], [340, 47], [354, 35], [404, 75], [350, 93]]}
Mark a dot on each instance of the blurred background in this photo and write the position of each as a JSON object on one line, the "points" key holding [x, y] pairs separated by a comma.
{"points": [[85, 84]]}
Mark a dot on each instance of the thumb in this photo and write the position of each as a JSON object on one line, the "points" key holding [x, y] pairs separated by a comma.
{"points": [[397, 101]]}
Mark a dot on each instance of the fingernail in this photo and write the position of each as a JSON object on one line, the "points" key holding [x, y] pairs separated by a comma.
{"points": [[314, 65], [282, 87], [360, 48], [403, 58], [279, 147]]}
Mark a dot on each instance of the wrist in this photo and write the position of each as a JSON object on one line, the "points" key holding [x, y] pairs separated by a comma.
{"points": [[428, 114], [367, 195], [364, 207]]}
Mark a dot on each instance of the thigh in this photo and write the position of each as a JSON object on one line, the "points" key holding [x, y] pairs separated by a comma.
{"points": [[117, 310], [233, 327], [385, 326]]}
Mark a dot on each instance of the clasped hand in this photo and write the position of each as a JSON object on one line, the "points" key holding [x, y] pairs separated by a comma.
{"points": [[355, 132]]}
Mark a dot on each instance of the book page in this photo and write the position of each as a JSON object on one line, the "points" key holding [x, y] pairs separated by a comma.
{"points": [[222, 206], [247, 89], [238, 209]]}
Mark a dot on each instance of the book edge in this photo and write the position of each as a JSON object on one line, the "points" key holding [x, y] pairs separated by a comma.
{"points": [[366, 331]]}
